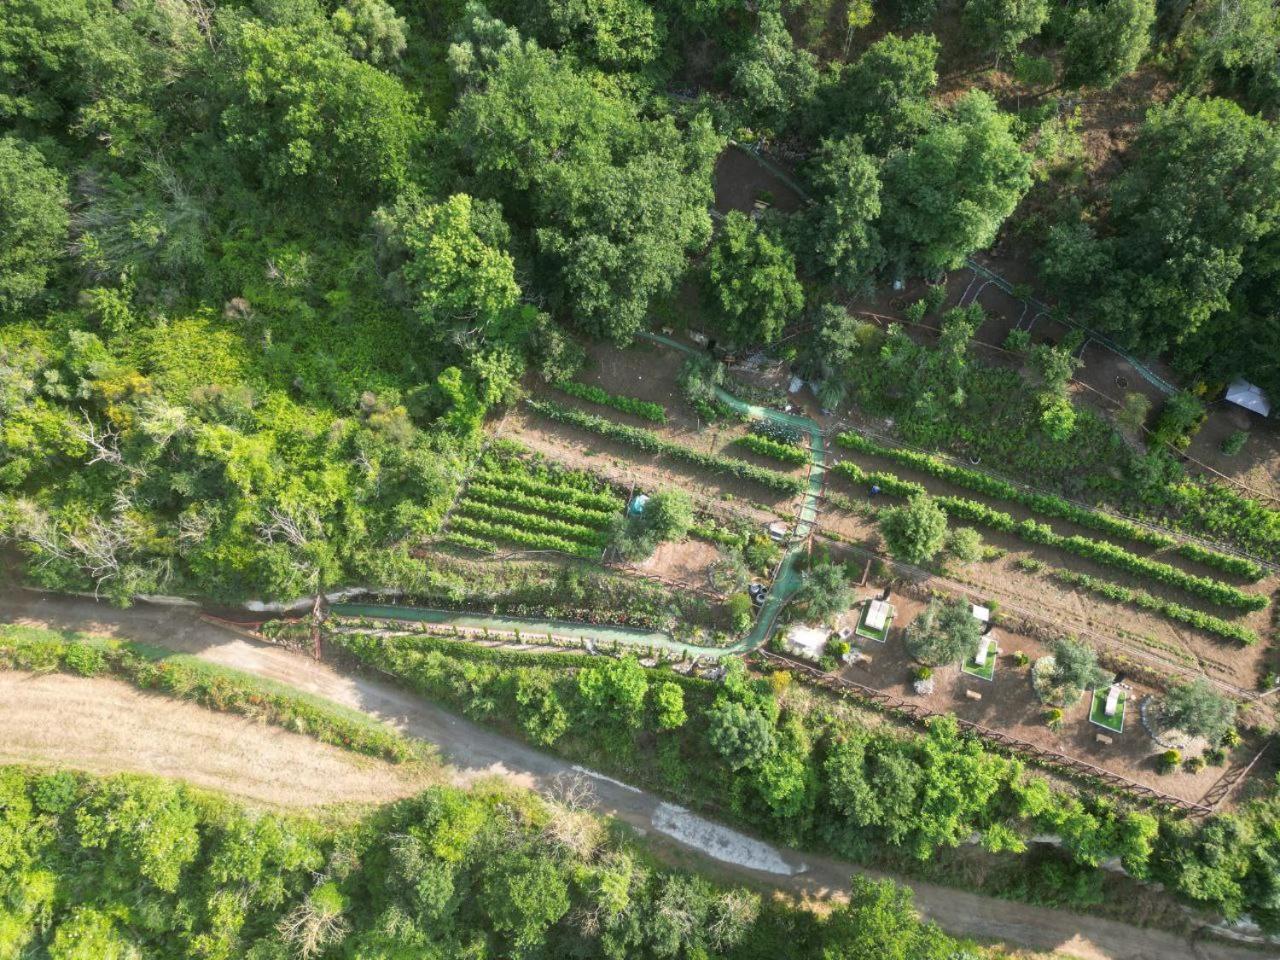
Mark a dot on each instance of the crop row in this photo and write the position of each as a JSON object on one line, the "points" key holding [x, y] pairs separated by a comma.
{"points": [[1238, 566], [500, 497], [510, 480], [767, 447], [980, 482], [529, 521], [1098, 551], [645, 409], [1146, 601], [649, 442], [483, 535]]}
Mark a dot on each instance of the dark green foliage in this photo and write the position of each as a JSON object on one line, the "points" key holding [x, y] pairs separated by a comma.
{"points": [[751, 282], [883, 96], [774, 79], [1106, 42], [33, 222], [845, 243], [825, 591], [1000, 26], [1194, 708], [1075, 670]]}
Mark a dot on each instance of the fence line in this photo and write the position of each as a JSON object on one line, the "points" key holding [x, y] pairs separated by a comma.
{"points": [[919, 714], [1220, 790]]}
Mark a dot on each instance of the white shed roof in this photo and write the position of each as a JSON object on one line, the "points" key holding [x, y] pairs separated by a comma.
{"points": [[1244, 394], [878, 614], [981, 613]]}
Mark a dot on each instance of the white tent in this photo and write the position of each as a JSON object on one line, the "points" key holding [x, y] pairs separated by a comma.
{"points": [[1244, 394], [806, 641]]}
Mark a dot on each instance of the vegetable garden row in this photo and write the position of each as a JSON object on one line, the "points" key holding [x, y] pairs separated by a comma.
{"points": [[1099, 551], [511, 501], [649, 442]]}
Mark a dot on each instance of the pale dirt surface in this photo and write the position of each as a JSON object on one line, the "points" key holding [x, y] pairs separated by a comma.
{"points": [[105, 726], [476, 752]]}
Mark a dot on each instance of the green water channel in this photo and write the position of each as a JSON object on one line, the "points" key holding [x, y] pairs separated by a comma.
{"points": [[785, 582]]}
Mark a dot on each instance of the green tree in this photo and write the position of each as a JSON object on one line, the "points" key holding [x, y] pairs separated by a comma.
{"points": [[41, 42], [1000, 26], [668, 514], [668, 704], [1236, 40], [945, 632], [523, 895], [1195, 709], [751, 282], [542, 717], [948, 194], [1106, 43], [879, 921], [615, 692], [825, 591], [1075, 670], [774, 79], [33, 222], [740, 732], [371, 30], [883, 96], [1180, 418], [846, 245], [915, 532]]}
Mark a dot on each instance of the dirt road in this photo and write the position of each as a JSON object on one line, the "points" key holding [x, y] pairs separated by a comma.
{"points": [[110, 727], [475, 752]]}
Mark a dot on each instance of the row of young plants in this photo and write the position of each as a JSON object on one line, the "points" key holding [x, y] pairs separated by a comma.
{"points": [[215, 688], [484, 535], [532, 522], [1166, 608], [1049, 505], [648, 442], [767, 447], [1099, 551], [480, 491], [538, 480], [645, 409], [814, 777]]}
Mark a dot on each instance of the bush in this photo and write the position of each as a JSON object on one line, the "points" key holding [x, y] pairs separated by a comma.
{"points": [[914, 533], [1195, 709], [1179, 420], [1053, 718], [786, 452], [965, 544], [944, 632], [1193, 764], [1018, 341], [1020, 659], [1235, 442], [740, 611], [1169, 761]]}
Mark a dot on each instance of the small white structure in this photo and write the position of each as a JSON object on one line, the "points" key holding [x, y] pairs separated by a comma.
{"points": [[1244, 394], [1113, 698], [806, 641], [981, 613], [779, 531], [699, 338], [795, 385], [984, 650], [878, 612]]}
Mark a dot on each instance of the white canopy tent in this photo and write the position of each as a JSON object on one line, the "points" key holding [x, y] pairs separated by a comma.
{"points": [[1244, 394]]}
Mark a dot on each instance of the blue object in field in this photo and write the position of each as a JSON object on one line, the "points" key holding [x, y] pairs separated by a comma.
{"points": [[637, 504], [875, 488]]}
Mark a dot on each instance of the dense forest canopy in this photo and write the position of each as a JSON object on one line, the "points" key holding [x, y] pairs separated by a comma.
{"points": [[265, 265]]}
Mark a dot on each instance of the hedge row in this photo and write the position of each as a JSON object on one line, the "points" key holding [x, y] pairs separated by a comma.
{"points": [[768, 447], [980, 482], [649, 442], [1099, 551], [1237, 566], [645, 409], [528, 521], [497, 496], [483, 530], [513, 480], [712, 532], [210, 686], [1174, 611]]}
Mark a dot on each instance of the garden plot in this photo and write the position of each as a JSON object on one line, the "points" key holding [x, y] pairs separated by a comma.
{"points": [[511, 501], [1009, 705]]}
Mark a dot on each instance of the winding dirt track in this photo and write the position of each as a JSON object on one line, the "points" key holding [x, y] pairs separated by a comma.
{"points": [[476, 752]]}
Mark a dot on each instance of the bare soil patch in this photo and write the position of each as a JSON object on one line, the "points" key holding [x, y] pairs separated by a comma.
{"points": [[688, 563], [740, 179], [104, 726]]}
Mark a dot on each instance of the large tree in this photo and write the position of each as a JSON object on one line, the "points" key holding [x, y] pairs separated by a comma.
{"points": [[916, 531], [774, 79], [1000, 26], [1166, 262], [751, 282], [883, 96], [844, 242], [33, 221], [947, 195], [1105, 43]]}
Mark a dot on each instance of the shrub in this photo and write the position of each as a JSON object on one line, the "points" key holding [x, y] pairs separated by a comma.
{"points": [[944, 632], [921, 673], [1018, 341], [786, 452], [1020, 659], [837, 648], [1193, 764], [916, 532], [965, 544], [84, 659], [1181, 417], [740, 612], [1053, 718], [1235, 442], [1169, 760], [1195, 709]]}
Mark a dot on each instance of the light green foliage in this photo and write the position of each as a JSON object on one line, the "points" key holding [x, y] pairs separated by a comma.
{"points": [[1180, 418], [615, 692], [1196, 709], [965, 544], [880, 921], [667, 516], [614, 34], [1000, 26], [33, 222], [845, 243], [668, 703], [945, 632], [1106, 43], [915, 532], [947, 195], [371, 30], [751, 282]]}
